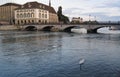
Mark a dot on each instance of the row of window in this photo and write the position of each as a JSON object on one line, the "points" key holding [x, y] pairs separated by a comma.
{"points": [[25, 15], [42, 6], [31, 10], [24, 21], [30, 21], [43, 11], [31, 15], [42, 15], [26, 10]]}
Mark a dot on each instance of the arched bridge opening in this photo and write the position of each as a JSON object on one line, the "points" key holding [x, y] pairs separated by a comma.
{"points": [[30, 28], [95, 29], [47, 28], [68, 29]]}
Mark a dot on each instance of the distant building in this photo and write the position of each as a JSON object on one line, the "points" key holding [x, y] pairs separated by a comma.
{"points": [[77, 20], [7, 13], [35, 13]]}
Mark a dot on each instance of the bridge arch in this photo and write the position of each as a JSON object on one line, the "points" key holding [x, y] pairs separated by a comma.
{"points": [[30, 28], [68, 29], [95, 29], [47, 28]]}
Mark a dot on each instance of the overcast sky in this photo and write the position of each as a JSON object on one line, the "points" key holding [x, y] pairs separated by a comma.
{"points": [[102, 10]]}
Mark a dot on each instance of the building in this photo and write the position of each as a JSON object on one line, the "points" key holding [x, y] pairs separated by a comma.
{"points": [[77, 20], [35, 13], [7, 13]]}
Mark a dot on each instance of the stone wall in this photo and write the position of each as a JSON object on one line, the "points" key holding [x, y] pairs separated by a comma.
{"points": [[9, 27]]}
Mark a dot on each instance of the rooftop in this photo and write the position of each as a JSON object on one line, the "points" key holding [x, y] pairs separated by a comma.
{"points": [[10, 4], [30, 5]]}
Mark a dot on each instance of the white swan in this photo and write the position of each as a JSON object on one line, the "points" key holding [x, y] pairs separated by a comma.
{"points": [[54, 46], [81, 61]]}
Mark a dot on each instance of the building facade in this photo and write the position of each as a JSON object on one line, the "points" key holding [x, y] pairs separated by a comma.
{"points": [[35, 13], [77, 20], [7, 13]]}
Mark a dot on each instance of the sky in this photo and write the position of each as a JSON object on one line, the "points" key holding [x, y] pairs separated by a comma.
{"points": [[101, 10]]}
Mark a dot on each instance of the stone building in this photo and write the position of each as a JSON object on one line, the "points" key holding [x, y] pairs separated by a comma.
{"points": [[35, 13], [77, 20], [7, 13]]}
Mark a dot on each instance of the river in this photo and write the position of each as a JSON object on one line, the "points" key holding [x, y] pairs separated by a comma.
{"points": [[57, 54]]}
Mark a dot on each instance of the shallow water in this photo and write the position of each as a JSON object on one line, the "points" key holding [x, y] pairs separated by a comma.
{"points": [[44, 54]]}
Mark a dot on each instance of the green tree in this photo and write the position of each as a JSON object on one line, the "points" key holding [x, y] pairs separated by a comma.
{"points": [[61, 17]]}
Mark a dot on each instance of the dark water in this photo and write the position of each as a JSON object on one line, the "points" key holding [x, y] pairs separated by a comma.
{"points": [[39, 54]]}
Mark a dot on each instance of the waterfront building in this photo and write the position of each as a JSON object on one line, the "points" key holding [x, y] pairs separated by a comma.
{"points": [[77, 20], [35, 13], [7, 13]]}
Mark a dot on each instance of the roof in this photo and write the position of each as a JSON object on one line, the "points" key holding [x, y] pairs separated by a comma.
{"points": [[30, 5], [10, 4]]}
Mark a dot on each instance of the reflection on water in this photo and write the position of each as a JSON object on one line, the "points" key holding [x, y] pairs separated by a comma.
{"points": [[43, 54]]}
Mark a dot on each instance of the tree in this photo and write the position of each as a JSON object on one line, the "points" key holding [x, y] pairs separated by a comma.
{"points": [[61, 17], [59, 13]]}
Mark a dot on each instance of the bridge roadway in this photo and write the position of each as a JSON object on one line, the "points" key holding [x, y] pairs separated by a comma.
{"points": [[62, 27]]}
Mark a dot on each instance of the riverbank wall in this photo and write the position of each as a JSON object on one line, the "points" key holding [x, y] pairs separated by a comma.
{"points": [[9, 27]]}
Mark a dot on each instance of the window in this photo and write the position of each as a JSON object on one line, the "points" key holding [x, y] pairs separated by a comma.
{"points": [[25, 21], [25, 15], [45, 15], [39, 10], [40, 6], [17, 15], [32, 21], [21, 10], [33, 10], [21, 21], [18, 22], [24, 10], [28, 10], [28, 21], [21, 16], [28, 14], [42, 15], [32, 15], [45, 11], [45, 21], [43, 7], [39, 15], [39, 20]]}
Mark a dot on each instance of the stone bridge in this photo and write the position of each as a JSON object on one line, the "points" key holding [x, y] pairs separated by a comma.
{"points": [[67, 28]]}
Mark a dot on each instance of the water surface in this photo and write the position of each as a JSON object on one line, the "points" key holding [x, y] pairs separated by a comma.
{"points": [[44, 54]]}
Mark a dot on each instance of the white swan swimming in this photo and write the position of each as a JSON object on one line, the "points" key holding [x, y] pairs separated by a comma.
{"points": [[81, 61], [54, 46]]}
